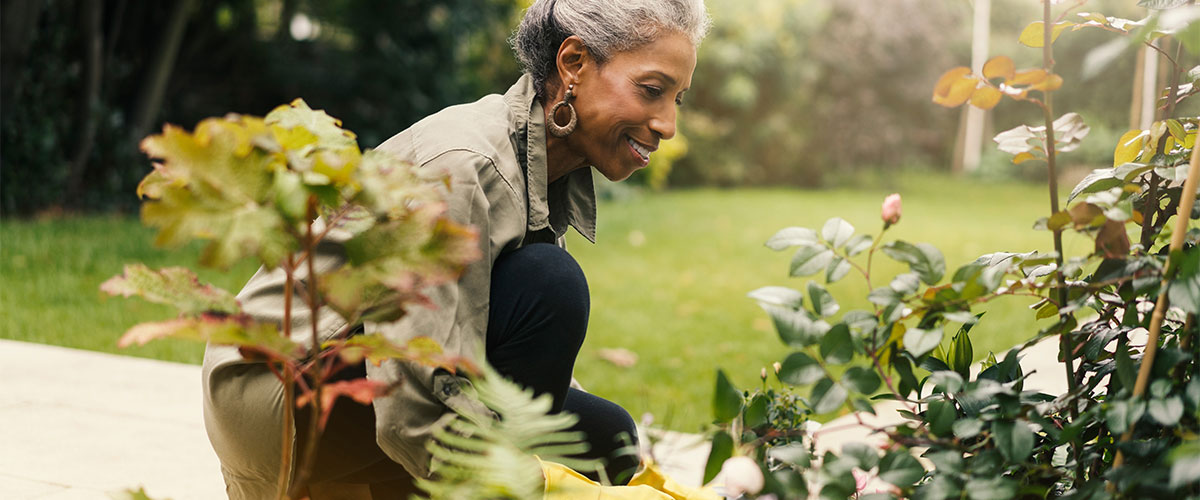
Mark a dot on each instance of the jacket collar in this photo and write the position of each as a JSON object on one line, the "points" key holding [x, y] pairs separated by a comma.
{"points": [[571, 200]]}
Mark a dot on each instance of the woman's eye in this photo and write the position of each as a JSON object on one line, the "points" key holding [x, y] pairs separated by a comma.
{"points": [[653, 91]]}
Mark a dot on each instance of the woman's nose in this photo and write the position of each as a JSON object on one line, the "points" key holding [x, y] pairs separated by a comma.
{"points": [[663, 122]]}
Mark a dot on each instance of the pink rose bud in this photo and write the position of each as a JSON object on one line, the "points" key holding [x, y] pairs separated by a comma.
{"points": [[763, 373], [742, 477], [777, 366], [891, 209]]}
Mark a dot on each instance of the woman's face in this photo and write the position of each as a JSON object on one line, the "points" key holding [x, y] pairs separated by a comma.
{"points": [[628, 104]]}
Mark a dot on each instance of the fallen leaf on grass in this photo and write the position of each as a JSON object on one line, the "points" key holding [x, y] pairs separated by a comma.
{"points": [[621, 357]]}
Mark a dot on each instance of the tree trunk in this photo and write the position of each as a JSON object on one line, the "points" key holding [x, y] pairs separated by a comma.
{"points": [[154, 86], [18, 19], [93, 63]]}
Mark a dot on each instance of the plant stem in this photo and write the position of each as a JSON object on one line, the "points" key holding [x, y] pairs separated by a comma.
{"points": [[1160, 307], [1067, 344], [289, 389], [314, 423]]}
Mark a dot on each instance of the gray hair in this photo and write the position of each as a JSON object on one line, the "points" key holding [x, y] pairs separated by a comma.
{"points": [[605, 26]]}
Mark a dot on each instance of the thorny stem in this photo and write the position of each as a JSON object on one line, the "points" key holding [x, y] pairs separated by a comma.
{"points": [[1067, 344], [314, 424]]}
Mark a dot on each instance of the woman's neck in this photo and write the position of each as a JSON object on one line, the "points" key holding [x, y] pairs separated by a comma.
{"points": [[560, 160]]}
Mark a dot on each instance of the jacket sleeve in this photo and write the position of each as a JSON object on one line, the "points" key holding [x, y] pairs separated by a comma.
{"points": [[405, 419]]}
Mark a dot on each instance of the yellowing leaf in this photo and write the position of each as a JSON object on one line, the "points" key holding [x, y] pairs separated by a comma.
{"points": [[1050, 84], [1034, 34], [999, 67], [1085, 215], [1128, 147], [1028, 77], [955, 87], [1190, 141], [1023, 157], [174, 286], [986, 98]]}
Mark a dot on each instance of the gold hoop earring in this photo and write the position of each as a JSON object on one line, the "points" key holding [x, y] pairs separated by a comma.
{"points": [[563, 130]]}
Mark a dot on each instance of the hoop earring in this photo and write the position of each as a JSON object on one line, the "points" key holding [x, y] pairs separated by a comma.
{"points": [[563, 130]]}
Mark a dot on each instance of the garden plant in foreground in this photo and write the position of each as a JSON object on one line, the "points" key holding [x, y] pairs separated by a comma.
{"points": [[271, 189], [1124, 317]]}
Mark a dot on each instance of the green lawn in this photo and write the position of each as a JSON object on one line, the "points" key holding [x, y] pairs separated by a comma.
{"points": [[668, 276]]}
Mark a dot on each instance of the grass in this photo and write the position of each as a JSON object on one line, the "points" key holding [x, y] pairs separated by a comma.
{"points": [[669, 278]]}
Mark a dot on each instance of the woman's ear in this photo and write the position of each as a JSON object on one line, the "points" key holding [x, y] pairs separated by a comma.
{"points": [[572, 57]]}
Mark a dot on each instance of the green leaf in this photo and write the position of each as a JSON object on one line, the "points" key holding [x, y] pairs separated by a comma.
{"points": [[821, 300], [905, 284], [919, 341], [1101, 179], [722, 449], [1185, 463], [941, 416], [860, 455], [1014, 439], [800, 369], [862, 379], [837, 231], [795, 454], [946, 381], [837, 269], [858, 244], [756, 412], [326, 128], [810, 260], [1167, 411], [836, 346], [967, 428], [795, 327], [993, 488], [1126, 372], [792, 236], [1184, 290], [1123, 414], [827, 396], [778, 295], [177, 287], [898, 467], [727, 400], [923, 258]]}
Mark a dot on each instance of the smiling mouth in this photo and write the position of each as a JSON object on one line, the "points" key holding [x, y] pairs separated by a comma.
{"points": [[642, 152]]}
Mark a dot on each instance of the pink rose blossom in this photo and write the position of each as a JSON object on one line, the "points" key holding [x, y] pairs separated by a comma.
{"points": [[742, 477], [891, 209]]}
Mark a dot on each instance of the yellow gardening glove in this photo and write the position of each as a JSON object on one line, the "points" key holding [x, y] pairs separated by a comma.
{"points": [[563, 483]]}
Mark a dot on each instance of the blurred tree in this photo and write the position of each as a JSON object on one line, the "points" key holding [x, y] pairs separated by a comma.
{"points": [[83, 80]]}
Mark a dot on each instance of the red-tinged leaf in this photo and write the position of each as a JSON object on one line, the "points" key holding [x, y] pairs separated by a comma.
{"points": [[363, 391], [986, 98], [422, 350], [999, 67], [174, 286], [237, 330], [1113, 241]]}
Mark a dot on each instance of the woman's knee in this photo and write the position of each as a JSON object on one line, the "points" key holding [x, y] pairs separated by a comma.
{"points": [[548, 275]]}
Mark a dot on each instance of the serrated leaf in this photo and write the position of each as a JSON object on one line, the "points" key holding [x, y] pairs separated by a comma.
{"points": [[922, 258], [858, 244], [727, 400], [177, 287], [790, 237], [810, 260], [861, 379], [918, 341], [822, 302], [827, 396], [1014, 439], [836, 346], [1034, 34], [236, 330], [326, 128], [800, 369], [778, 295], [837, 231]]}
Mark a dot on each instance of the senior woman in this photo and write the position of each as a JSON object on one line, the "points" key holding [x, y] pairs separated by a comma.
{"points": [[601, 85]]}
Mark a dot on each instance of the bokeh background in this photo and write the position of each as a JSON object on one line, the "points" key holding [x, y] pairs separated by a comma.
{"points": [[800, 110]]}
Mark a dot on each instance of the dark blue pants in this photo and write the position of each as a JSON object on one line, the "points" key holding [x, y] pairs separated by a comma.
{"points": [[536, 325]]}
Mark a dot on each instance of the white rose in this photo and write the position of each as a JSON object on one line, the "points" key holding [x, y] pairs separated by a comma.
{"points": [[742, 476]]}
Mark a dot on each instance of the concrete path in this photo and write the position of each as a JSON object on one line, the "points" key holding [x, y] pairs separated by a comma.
{"points": [[83, 425]]}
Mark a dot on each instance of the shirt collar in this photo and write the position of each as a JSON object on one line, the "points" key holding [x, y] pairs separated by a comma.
{"points": [[572, 198]]}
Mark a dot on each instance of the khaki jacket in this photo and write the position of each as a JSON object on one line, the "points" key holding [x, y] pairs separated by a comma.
{"points": [[494, 151]]}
